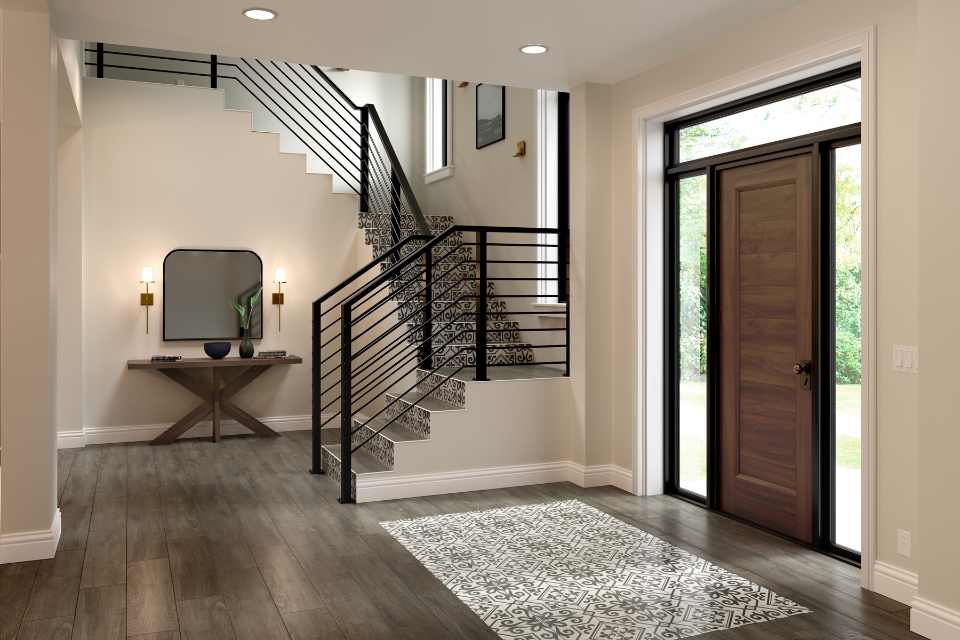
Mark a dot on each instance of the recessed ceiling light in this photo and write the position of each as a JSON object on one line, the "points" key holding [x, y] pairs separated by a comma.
{"points": [[533, 49], [258, 13]]}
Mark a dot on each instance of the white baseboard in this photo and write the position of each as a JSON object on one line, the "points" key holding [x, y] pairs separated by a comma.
{"points": [[70, 439], [391, 486], [894, 582], [147, 432], [600, 475], [31, 545], [933, 620]]}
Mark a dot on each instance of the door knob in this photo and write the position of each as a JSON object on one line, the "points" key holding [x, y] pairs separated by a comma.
{"points": [[802, 369]]}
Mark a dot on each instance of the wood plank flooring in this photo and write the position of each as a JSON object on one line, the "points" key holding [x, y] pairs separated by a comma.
{"points": [[237, 540]]}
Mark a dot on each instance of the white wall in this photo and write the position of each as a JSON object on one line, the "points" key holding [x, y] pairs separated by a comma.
{"points": [[489, 186], [166, 167], [28, 126]]}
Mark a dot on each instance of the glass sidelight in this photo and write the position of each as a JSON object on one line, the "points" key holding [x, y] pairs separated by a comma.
{"points": [[692, 334], [847, 337]]}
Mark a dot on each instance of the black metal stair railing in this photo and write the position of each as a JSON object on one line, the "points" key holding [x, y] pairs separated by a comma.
{"points": [[429, 313], [348, 138]]}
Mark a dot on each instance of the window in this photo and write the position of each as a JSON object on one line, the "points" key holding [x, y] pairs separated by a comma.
{"points": [[436, 124], [818, 110], [547, 192]]}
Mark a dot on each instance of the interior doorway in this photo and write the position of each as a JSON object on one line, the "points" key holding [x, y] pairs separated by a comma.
{"points": [[763, 310]]}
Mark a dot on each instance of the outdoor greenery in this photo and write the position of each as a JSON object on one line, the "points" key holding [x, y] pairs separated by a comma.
{"points": [[693, 271]]}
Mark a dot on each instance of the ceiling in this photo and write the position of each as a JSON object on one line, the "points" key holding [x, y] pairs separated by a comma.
{"points": [[589, 40]]}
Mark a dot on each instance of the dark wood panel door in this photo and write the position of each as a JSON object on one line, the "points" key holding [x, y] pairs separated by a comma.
{"points": [[765, 272]]}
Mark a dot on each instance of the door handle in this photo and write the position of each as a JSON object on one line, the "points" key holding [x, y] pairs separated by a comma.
{"points": [[803, 368]]}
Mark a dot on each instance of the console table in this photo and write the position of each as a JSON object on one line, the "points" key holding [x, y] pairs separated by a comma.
{"points": [[216, 394]]}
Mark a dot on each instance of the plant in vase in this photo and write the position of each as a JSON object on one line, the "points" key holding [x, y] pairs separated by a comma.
{"points": [[245, 310]]}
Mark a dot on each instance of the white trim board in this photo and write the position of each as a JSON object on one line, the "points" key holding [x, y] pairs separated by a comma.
{"points": [[147, 432], [31, 545], [933, 620], [647, 251], [391, 486], [894, 582]]}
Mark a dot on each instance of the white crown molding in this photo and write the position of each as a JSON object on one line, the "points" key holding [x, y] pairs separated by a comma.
{"points": [[31, 545], [147, 432], [391, 486], [895, 583], [933, 620]]}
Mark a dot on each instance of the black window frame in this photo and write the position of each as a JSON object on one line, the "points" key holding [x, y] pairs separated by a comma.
{"points": [[821, 144]]}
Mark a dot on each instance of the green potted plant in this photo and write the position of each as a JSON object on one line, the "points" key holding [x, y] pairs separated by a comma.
{"points": [[245, 310]]}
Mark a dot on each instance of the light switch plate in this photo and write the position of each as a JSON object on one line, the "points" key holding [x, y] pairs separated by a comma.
{"points": [[903, 543], [906, 358]]}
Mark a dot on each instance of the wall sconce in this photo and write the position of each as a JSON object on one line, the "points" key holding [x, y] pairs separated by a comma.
{"points": [[146, 298], [279, 278]]}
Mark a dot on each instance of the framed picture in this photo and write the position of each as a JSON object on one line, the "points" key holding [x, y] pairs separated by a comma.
{"points": [[491, 107]]}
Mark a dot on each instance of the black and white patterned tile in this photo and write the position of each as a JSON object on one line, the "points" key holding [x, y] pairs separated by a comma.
{"points": [[566, 570]]}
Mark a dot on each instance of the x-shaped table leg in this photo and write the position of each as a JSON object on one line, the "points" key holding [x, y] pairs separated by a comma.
{"points": [[216, 400]]}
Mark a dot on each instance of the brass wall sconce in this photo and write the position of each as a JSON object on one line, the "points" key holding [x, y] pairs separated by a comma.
{"points": [[146, 298], [279, 278], [521, 149]]}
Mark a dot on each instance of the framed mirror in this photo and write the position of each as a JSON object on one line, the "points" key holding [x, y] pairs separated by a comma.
{"points": [[199, 289]]}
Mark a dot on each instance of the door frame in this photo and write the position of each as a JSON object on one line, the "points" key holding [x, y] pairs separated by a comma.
{"points": [[818, 146], [648, 204]]}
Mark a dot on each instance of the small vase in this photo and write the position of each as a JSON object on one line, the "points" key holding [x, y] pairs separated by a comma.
{"points": [[246, 345]]}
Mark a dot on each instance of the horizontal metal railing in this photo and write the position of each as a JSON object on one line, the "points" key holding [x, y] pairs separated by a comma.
{"points": [[348, 138], [428, 312]]}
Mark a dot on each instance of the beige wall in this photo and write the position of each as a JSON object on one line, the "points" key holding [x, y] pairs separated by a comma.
{"points": [[166, 167], [489, 186], [591, 235], [754, 44], [27, 234], [938, 559]]}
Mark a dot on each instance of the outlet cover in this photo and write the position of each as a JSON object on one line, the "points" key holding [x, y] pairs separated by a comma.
{"points": [[903, 543]]}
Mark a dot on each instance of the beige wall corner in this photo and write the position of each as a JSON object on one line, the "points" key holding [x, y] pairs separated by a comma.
{"points": [[27, 299], [937, 610]]}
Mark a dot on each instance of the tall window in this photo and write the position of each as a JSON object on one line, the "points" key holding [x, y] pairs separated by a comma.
{"points": [[436, 125], [547, 192]]}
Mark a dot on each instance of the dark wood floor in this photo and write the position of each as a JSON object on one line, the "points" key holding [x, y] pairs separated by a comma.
{"points": [[236, 540]]}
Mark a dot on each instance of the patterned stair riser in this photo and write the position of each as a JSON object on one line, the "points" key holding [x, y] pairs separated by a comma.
{"points": [[407, 222], [497, 354], [331, 466], [415, 418], [450, 390], [379, 446]]}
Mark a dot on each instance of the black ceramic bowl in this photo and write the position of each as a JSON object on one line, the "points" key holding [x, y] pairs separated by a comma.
{"points": [[216, 350]]}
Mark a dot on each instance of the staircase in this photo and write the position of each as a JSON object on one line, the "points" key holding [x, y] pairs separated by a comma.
{"points": [[442, 312]]}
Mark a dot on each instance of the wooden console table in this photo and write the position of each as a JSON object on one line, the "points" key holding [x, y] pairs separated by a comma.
{"points": [[216, 394]]}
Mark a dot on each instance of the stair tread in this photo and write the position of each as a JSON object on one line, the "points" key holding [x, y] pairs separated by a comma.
{"points": [[394, 431], [430, 404], [360, 462]]}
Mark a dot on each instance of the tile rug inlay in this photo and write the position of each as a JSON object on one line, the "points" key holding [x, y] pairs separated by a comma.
{"points": [[566, 570]]}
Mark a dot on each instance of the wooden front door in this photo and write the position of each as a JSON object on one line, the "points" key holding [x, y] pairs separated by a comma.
{"points": [[765, 273]]}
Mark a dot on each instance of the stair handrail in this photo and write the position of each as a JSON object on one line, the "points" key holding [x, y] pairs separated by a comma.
{"points": [[374, 116]]}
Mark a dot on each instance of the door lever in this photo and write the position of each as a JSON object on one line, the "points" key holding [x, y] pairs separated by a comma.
{"points": [[803, 369]]}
